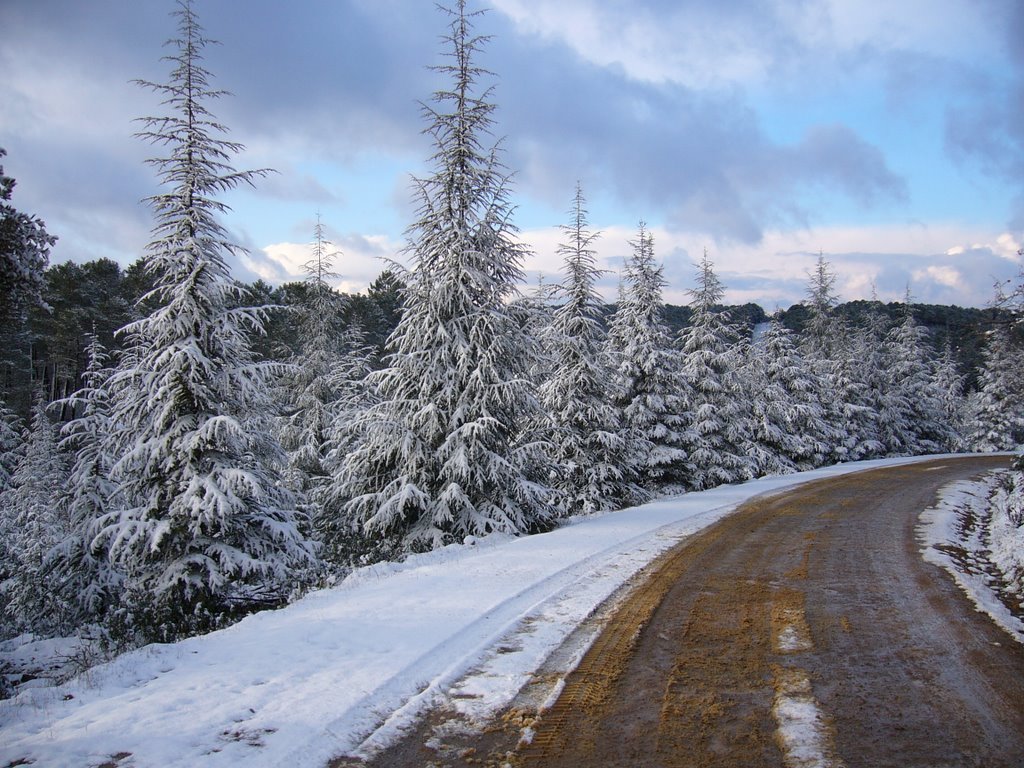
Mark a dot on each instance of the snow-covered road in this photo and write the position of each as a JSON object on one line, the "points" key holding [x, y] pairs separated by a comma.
{"points": [[344, 669]]}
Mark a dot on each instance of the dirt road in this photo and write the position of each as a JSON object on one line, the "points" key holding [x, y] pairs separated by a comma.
{"points": [[803, 630]]}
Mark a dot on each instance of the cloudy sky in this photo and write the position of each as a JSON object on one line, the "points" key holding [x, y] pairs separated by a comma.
{"points": [[887, 135]]}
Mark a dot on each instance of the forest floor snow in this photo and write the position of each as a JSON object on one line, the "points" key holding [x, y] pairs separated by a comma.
{"points": [[345, 670]]}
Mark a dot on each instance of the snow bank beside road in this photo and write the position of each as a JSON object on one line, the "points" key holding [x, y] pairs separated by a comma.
{"points": [[354, 664], [969, 534]]}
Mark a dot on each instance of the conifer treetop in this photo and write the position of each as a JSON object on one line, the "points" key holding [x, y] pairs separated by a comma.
{"points": [[709, 290], [198, 165]]}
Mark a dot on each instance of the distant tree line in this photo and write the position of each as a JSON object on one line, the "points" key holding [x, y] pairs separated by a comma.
{"points": [[80, 302]]}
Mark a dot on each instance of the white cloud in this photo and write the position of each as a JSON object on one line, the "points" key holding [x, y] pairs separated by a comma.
{"points": [[715, 44], [1009, 246], [916, 25], [943, 275], [866, 260], [648, 45], [359, 260]]}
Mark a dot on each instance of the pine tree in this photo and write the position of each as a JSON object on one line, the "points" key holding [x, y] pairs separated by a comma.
{"points": [[324, 393], [836, 354], [384, 295], [445, 454], [950, 385], [204, 524], [35, 526], [719, 433], [24, 253], [645, 370], [824, 330], [594, 472], [340, 538], [914, 384], [81, 571], [11, 450], [854, 381], [308, 389], [995, 413], [10, 444], [788, 418], [534, 313], [876, 424]]}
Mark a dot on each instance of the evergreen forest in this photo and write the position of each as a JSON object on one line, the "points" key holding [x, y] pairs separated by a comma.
{"points": [[179, 449]]}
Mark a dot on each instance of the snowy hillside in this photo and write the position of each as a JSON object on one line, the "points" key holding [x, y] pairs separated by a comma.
{"points": [[341, 670]]}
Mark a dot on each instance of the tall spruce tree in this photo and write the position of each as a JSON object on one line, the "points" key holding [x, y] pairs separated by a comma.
{"points": [[824, 330], [11, 449], [645, 369], [204, 525], [949, 382], [829, 347], [308, 389], [719, 423], [995, 413], [24, 254], [534, 313], [10, 444], [875, 425], [788, 418], [592, 454], [324, 393], [914, 384], [82, 571], [445, 453], [35, 525]]}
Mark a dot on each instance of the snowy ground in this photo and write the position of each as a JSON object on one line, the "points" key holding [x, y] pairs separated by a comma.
{"points": [[970, 534], [344, 670]]}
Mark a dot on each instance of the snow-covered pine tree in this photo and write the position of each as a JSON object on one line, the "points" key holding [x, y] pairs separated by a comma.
{"points": [[444, 454], [82, 572], [913, 383], [995, 412], [11, 430], [877, 427], [588, 445], [24, 254], [533, 312], [949, 382], [307, 390], [204, 526], [827, 347], [718, 439], [324, 392], [11, 449], [853, 409], [645, 369], [341, 539], [788, 418], [824, 331], [31, 603]]}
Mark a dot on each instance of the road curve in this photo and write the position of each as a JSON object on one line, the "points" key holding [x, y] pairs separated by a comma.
{"points": [[805, 629]]}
